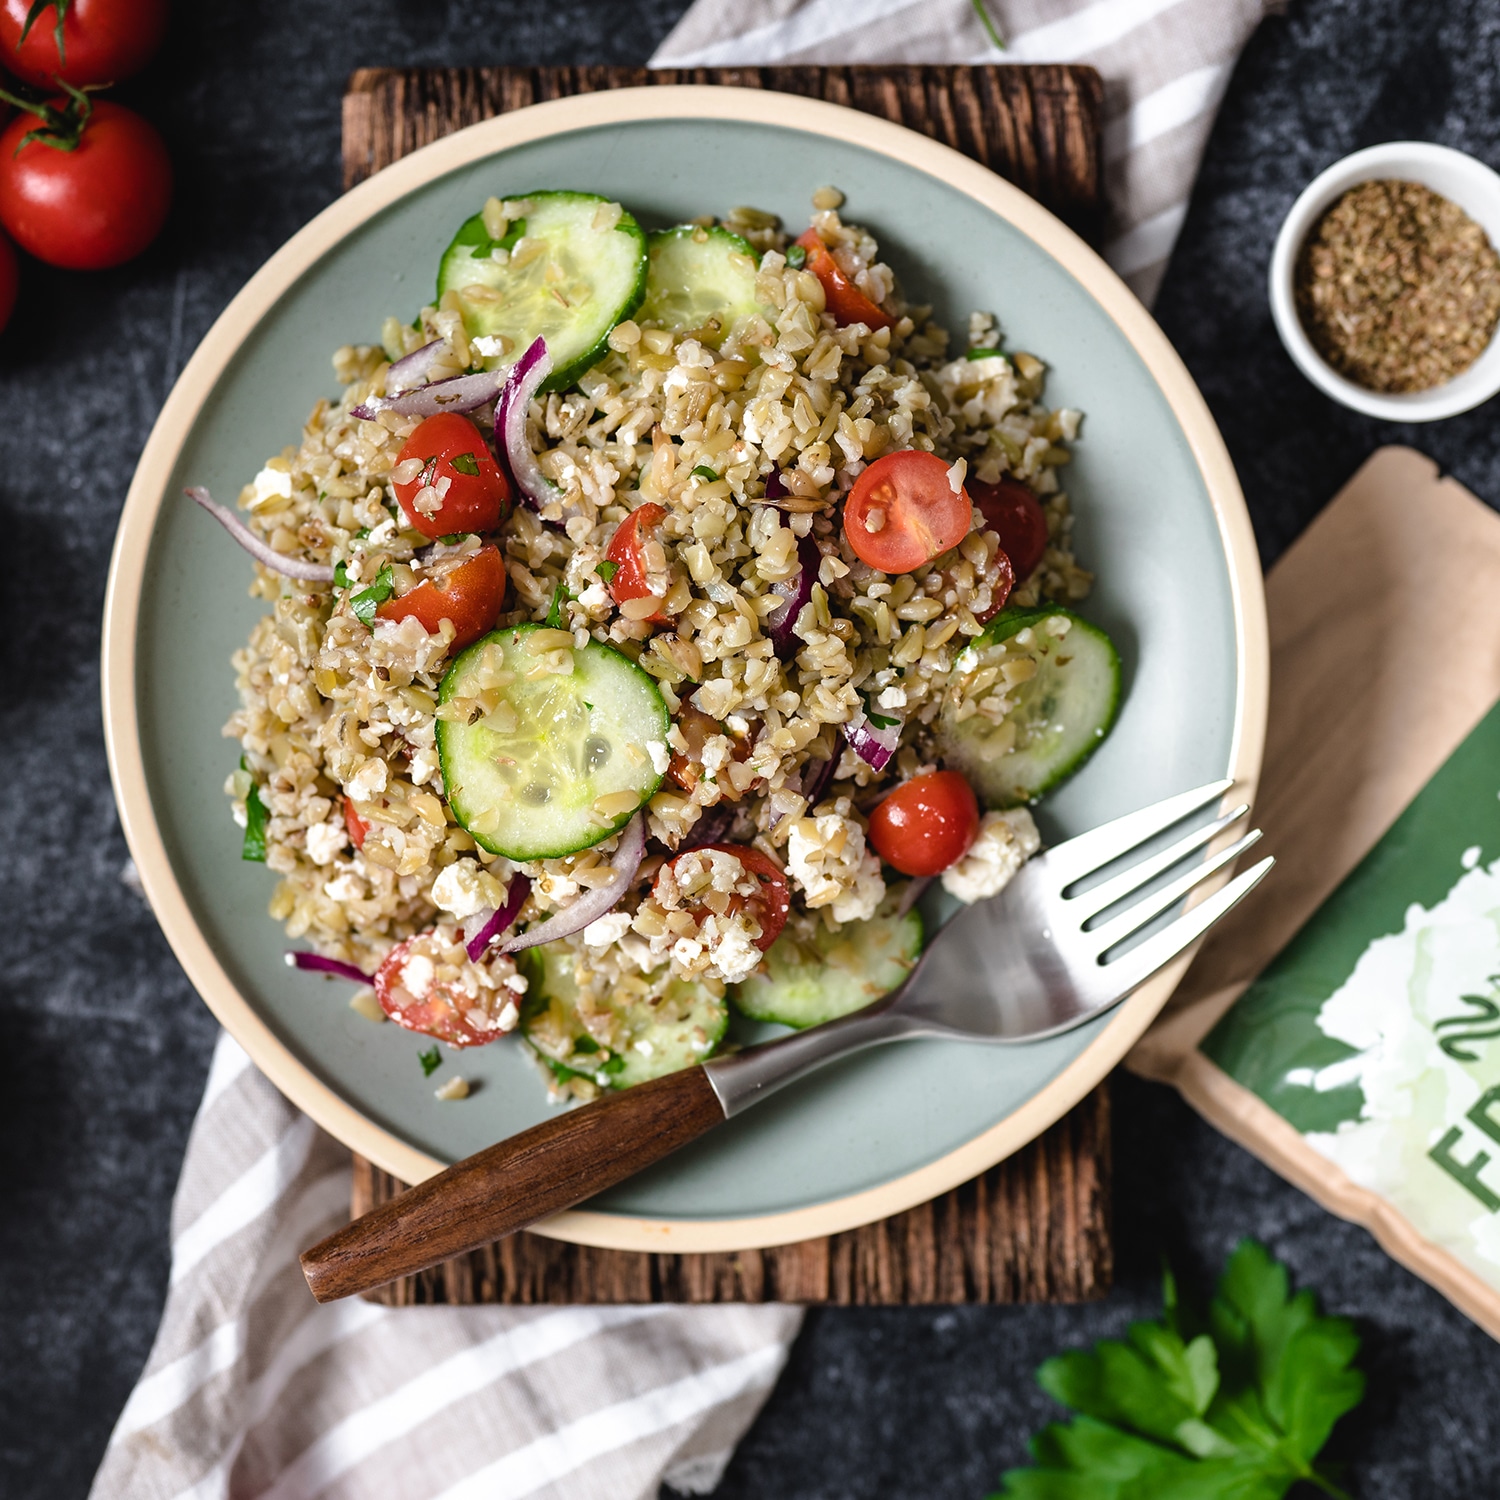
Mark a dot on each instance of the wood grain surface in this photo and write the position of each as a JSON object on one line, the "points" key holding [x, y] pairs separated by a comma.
{"points": [[1036, 1228]]}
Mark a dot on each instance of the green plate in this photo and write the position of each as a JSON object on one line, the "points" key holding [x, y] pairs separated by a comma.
{"points": [[1160, 520]]}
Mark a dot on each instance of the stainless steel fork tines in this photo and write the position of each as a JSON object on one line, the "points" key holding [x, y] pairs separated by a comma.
{"points": [[1052, 951]]}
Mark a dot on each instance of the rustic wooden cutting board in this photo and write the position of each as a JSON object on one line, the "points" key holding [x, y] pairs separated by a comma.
{"points": [[1036, 1228]]}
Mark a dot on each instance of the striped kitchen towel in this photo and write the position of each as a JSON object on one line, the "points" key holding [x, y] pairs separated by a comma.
{"points": [[1165, 64], [253, 1389]]}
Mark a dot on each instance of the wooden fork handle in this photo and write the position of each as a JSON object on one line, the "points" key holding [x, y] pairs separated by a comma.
{"points": [[504, 1188]]}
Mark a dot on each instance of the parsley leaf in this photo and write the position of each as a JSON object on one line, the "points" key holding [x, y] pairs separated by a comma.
{"points": [[704, 472], [341, 575], [555, 620], [366, 601], [796, 257], [464, 463], [606, 571], [879, 721], [1234, 1406], [985, 354], [256, 818], [431, 1061]]}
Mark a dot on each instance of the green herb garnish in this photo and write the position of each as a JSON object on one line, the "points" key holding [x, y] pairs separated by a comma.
{"points": [[607, 570], [985, 354], [796, 257], [341, 575], [1234, 1405], [615, 1064], [560, 596], [704, 472], [453, 538], [465, 463], [256, 818], [366, 601], [585, 1045], [987, 21], [431, 1061], [880, 721]]}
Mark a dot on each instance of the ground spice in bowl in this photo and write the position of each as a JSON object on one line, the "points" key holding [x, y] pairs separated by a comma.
{"points": [[1397, 287]]}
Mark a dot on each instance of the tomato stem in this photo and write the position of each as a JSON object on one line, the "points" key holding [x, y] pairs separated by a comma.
{"points": [[35, 14], [61, 129]]}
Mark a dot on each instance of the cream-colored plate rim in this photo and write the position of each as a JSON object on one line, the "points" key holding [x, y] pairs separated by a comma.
{"points": [[147, 494]]}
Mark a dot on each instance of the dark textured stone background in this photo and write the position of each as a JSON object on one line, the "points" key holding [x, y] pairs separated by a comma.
{"points": [[103, 1046]]}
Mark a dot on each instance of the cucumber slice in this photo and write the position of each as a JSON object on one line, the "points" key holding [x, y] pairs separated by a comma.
{"points": [[526, 753], [1060, 718], [699, 277], [813, 975], [658, 1033], [584, 282]]}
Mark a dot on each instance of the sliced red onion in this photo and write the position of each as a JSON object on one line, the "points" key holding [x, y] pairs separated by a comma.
{"points": [[461, 393], [527, 375], [591, 905], [315, 963], [775, 486], [912, 894], [873, 746], [497, 921], [712, 826], [412, 370], [781, 623], [278, 562], [820, 781]]}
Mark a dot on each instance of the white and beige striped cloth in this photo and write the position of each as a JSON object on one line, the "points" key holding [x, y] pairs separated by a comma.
{"points": [[1165, 64], [252, 1389]]}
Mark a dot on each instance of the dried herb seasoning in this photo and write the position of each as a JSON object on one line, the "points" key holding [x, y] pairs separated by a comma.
{"points": [[1398, 288]]}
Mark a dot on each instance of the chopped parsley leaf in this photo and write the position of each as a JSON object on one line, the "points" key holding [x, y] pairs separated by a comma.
{"points": [[607, 570], [366, 601], [560, 596], [341, 575], [796, 257], [704, 472], [453, 538], [985, 354], [256, 818], [585, 1045], [614, 1065], [431, 1061], [880, 721], [465, 463]]}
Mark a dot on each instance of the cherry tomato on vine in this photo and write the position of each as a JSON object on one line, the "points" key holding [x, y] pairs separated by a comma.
{"points": [[10, 280], [459, 486], [89, 205], [425, 1004], [903, 512], [83, 42], [770, 908], [840, 295], [1011, 509], [468, 590], [627, 551], [926, 824]]}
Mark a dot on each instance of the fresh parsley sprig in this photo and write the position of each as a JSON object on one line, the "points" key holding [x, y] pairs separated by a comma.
{"points": [[1236, 1405]]}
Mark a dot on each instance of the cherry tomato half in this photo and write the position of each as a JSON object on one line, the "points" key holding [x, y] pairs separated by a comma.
{"points": [[771, 907], [469, 590], [1010, 509], [95, 206], [926, 824], [460, 486], [10, 281], [627, 551], [840, 295], [903, 512], [697, 729], [438, 1011], [103, 41], [356, 825]]}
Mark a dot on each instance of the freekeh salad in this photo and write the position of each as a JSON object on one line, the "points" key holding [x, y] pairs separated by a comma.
{"points": [[651, 621]]}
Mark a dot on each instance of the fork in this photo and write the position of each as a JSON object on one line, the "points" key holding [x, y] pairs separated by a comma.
{"points": [[1036, 960]]}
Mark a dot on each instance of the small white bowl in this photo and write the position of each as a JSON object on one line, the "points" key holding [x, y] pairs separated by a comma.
{"points": [[1458, 177]]}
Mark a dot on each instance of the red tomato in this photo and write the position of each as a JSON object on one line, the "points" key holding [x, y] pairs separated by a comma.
{"points": [[1010, 509], [844, 300], [469, 591], [10, 280], [1002, 581], [95, 206], [926, 824], [902, 512], [440, 1012], [103, 41], [356, 825], [770, 908], [697, 728], [627, 551], [473, 496]]}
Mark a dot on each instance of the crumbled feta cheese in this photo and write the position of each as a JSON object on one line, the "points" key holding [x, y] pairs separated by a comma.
{"points": [[826, 857], [381, 534], [661, 757], [466, 887], [368, 782], [345, 887], [488, 345], [1005, 841], [734, 954], [417, 974], [325, 842], [957, 471], [455, 1088], [271, 484], [609, 928]]}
